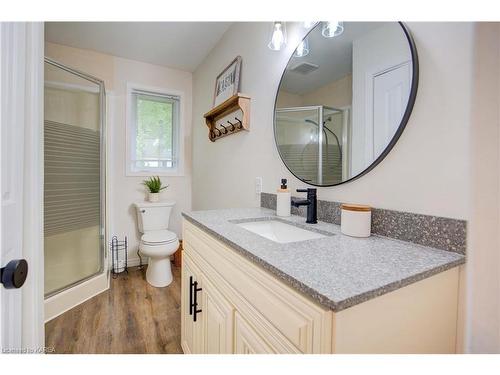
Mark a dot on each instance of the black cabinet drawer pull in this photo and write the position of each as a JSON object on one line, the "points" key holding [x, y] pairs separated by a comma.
{"points": [[191, 295], [195, 303], [193, 298]]}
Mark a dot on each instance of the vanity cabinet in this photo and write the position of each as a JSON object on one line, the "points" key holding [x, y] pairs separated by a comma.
{"points": [[243, 308]]}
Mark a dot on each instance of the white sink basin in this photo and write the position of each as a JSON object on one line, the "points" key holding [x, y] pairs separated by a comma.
{"points": [[278, 231]]}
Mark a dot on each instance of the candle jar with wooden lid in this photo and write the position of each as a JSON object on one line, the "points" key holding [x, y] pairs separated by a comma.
{"points": [[355, 220]]}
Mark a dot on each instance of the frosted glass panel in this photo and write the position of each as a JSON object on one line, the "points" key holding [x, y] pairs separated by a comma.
{"points": [[297, 136], [72, 187], [310, 141]]}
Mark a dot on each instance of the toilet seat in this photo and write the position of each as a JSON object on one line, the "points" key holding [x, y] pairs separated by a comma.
{"points": [[158, 237]]}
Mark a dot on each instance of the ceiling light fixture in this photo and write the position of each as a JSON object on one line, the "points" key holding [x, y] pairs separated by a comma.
{"points": [[278, 36], [302, 49], [332, 29]]}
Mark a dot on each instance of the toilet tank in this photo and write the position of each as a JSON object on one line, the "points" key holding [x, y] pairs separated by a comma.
{"points": [[153, 216]]}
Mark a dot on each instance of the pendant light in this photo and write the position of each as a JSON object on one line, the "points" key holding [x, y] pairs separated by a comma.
{"points": [[332, 29], [278, 36], [302, 49]]}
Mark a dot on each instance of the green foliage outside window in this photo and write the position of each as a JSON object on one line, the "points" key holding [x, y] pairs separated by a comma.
{"points": [[154, 129]]}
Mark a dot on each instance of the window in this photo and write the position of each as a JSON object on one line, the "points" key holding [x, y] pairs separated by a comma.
{"points": [[154, 132]]}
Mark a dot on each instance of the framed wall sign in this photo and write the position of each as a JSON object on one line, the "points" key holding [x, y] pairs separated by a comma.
{"points": [[227, 82]]}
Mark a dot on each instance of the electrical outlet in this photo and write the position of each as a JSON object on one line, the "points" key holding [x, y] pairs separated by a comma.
{"points": [[258, 185]]}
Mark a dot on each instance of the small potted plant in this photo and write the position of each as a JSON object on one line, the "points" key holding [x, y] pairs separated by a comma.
{"points": [[154, 186]]}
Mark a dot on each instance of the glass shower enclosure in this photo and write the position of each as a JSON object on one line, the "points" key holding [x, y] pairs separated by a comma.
{"points": [[313, 142], [74, 171]]}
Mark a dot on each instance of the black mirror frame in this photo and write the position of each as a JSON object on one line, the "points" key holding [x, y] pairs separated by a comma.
{"points": [[401, 127]]}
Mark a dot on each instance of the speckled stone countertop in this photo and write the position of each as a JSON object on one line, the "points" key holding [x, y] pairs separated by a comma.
{"points": [[336, 271]]}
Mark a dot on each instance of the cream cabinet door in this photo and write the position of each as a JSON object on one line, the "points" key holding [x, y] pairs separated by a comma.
{"points": [[218, 319], [191, 330], [247, 339]]}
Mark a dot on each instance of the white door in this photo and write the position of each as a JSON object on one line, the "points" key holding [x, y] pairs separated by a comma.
{"points": [[21, 57], [390, 96], [13, 61]]}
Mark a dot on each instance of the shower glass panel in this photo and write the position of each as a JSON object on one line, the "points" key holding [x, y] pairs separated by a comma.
{"points": [[310, 141], [298, 138], [74, 177]]}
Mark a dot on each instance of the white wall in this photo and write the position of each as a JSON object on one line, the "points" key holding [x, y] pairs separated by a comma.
{"points": [[483, 265], [116, 72], [335, 94], [426, 172]]}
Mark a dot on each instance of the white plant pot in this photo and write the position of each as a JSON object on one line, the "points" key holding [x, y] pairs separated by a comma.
{"points": [[154, 197]]}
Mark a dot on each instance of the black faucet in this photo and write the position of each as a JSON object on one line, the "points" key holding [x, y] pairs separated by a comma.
{"points": [[311, 202]]}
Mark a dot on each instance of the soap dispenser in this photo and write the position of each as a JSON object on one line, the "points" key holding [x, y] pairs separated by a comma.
{"points": [[283, 199]]}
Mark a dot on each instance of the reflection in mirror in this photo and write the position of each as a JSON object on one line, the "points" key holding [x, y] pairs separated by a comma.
{"points": [[344, 100]]}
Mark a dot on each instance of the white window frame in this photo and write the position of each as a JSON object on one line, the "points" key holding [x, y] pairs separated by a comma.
{"points": [[178, 170]]}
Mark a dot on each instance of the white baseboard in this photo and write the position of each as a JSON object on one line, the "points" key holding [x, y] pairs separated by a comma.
{"points": [[67, 299], [133, 262]]}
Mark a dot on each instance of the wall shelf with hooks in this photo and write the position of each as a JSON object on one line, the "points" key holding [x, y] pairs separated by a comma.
{"points": [[229, 117]]}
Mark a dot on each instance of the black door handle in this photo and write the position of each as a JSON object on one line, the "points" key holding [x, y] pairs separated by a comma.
{"points": [[14, 274]]}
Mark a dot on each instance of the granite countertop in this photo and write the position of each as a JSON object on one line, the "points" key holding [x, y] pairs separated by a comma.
{"points": [[336, 271]]}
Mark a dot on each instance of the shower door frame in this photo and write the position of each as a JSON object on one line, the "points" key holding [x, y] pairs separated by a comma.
{"points": [[102, 176]]}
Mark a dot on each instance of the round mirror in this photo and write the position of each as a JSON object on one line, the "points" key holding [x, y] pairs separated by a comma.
{"points": [[344, 99]]}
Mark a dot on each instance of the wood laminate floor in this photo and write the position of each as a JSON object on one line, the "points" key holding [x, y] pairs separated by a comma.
{"points": [[130, 317]]}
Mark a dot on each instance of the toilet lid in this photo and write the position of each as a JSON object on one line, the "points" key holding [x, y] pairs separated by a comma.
{"points": [[159, 236]]}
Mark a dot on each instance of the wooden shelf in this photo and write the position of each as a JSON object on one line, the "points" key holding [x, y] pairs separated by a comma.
{"points": [[217, 122]]}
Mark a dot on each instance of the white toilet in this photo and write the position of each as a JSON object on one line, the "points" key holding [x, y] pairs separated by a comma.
{"points": [[157, 242]]}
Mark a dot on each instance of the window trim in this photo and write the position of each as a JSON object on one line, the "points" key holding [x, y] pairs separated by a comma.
{"points": [[178, 171]]}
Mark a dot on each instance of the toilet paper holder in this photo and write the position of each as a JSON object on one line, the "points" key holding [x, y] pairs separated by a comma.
{"points": [[119, 256]]}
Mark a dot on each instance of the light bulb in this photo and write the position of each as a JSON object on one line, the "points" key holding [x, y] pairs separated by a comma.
{"points": [[278, 37], [331, 29], [302, 49]]}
